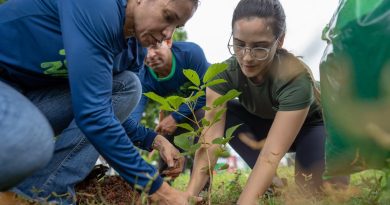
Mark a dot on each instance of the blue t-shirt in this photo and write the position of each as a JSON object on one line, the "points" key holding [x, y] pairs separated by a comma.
{"points": [[49, 42], [186, 55]]}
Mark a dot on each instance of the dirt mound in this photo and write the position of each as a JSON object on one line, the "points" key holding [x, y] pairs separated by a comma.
{"points": [[99, 188]]}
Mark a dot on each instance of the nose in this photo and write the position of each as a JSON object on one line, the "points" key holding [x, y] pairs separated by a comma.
{"points": [[168, 32], [247, 53], [151, 53]]}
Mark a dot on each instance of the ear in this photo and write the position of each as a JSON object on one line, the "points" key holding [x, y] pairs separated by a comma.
{"points": [[169, 42], [281, 40]]}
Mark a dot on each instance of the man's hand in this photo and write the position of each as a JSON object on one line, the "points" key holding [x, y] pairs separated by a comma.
{"points": [[167, 195], [170, 155], [167, 126]]}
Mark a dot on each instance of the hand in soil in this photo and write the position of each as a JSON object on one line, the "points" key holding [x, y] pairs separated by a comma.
{"points": [[170, 155], [167, 195]]}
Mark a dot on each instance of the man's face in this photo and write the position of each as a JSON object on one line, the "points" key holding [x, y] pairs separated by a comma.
{"points": [[156, 20], [159, 57]]}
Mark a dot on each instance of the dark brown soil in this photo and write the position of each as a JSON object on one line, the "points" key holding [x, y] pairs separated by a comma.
{"points": [[99, 188]]}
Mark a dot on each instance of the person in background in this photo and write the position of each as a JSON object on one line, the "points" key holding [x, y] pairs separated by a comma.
{"points": [[163, 75], [58, 79], [278, 106]]}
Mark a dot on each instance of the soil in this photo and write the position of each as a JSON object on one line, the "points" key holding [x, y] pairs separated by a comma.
{"points": [[99, 188]]}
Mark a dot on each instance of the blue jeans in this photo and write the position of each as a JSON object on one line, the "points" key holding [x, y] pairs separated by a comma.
{"points": [[74, 156], [27, 140], [309, 145]]}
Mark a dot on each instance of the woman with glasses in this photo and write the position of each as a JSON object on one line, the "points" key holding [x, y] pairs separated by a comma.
{"points": [[278, 107]]}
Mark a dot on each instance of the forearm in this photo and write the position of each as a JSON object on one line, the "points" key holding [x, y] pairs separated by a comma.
{"points": [[261, 177], [141, 136], [204, 157], [282, 134]]}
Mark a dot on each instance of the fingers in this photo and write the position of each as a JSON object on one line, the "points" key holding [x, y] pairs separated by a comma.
{"points": [[169, 160], [173, 173], [158, 128], [195, 199], [177, 169]]}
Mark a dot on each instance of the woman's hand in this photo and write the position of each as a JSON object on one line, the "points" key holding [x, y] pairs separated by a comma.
{"points": [[170, 155], [167, 195]]}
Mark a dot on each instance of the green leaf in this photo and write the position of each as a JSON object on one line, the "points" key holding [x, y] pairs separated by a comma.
{"points": [[175, 101], [223, 154], [193, 88], [205, 108], [166, 107], [194, 147], [205, 122], [218, 140], [186, 126], [155, 97], [192, 76], [224, 98], [218, 115], [214, 82], [199, 131], [185, 140], [197, 95], [214, 70], [230, 130]]}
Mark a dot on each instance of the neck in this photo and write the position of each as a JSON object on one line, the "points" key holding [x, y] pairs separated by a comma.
{"points": [[164, 72]]}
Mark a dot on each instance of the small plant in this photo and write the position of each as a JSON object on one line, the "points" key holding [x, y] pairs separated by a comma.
{"points": [[198, 89]]}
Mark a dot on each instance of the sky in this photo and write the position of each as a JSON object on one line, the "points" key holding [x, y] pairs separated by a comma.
{"points": [[210, 27]]}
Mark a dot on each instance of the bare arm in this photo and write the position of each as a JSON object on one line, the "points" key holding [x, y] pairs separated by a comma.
{"points": [[199, 177], [282, 134]]}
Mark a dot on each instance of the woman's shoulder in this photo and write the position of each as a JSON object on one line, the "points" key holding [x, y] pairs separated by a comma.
{"points": [[288, 67]]}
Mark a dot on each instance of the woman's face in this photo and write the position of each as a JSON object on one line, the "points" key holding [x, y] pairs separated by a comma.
{"points": [[156, 20], [250, 33]]}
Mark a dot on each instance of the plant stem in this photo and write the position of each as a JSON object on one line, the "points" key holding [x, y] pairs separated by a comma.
{"points": [[211, 177]]}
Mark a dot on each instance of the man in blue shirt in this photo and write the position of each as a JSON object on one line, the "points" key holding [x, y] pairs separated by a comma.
{"points": [[163, 75], [57, 78]]}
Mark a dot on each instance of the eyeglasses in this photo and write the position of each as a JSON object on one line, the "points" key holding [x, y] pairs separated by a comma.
{"points": [[259, 53], [156, 46]]}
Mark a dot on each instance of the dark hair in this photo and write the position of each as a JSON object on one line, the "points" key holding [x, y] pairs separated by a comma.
{"points": [[270, 9], [196, 3]]}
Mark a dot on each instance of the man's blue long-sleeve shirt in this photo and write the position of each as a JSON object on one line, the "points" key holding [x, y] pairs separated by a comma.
{"points": [[187, 55], [51, 42]]}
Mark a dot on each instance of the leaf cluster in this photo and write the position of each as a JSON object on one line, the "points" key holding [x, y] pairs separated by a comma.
{"points": [[198, 89]]}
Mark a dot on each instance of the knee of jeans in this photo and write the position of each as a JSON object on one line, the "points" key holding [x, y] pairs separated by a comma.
{"points": [[126, 81], [127, 92]]}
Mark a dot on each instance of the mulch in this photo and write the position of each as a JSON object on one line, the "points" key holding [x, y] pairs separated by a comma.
{"points": [[100, 188]]}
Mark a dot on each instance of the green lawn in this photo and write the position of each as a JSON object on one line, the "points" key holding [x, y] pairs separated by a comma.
{"points": [[368, 187]]}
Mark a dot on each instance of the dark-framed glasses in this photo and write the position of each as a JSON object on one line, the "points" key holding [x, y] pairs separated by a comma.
{"points": [[259, 53]]}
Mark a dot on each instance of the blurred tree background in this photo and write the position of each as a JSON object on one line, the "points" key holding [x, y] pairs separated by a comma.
{"points": [[2, 1]]}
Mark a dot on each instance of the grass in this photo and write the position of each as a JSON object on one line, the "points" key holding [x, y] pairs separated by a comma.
{"points": [[371, 187], [368, 187]]}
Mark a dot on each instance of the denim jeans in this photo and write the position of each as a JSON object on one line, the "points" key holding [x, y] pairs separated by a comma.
{"points": [[74, 156], [309, 145], [27, 140]]}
